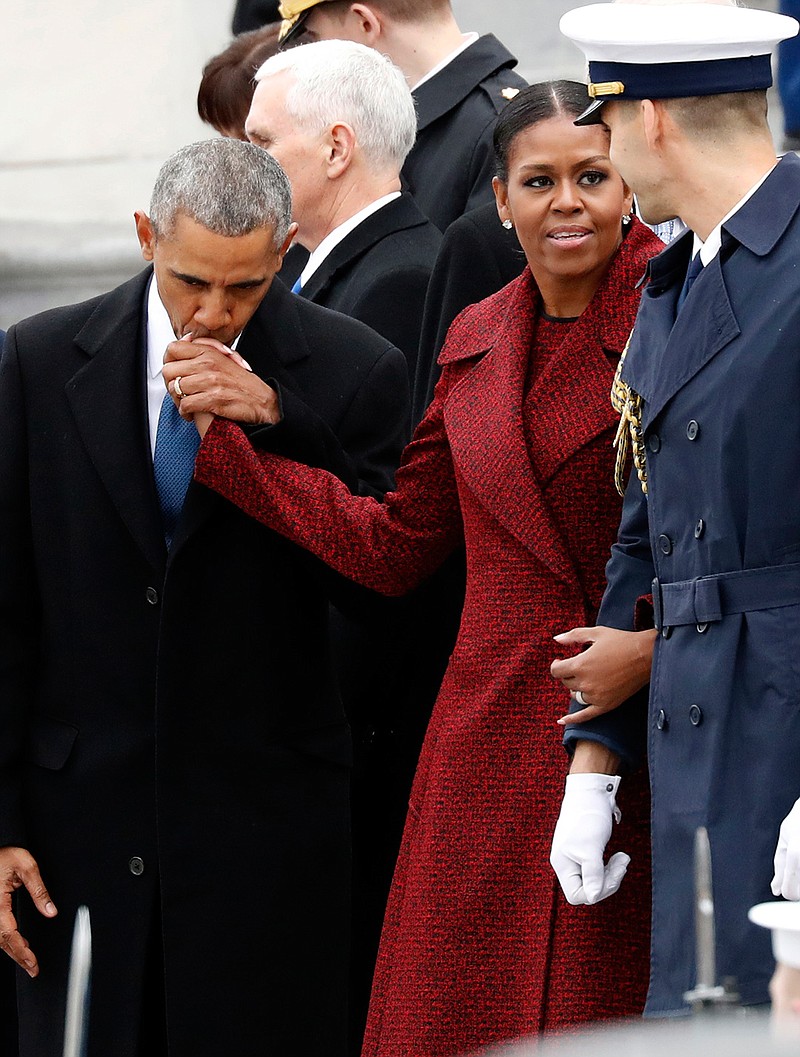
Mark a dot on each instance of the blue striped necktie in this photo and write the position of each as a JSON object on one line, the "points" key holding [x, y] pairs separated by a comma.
{"points": [[177, 442]]}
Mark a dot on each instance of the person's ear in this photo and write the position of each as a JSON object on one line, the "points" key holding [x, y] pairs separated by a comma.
{"points": [[367, 23], [627, 201], [287, 242], [653, 116], [145, 234], [340, 149], [500, 188]]}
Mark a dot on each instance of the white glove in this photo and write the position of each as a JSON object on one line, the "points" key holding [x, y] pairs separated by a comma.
{"points": [[786, 881], [588, 811]]}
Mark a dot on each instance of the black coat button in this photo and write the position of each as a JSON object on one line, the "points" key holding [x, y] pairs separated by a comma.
{"points": [[702, 628], [666, 632], [661, 720], [665, 544], [152, 596], [692, 430], [654, 443], [699, 529], [136, 866], [695, 715]]}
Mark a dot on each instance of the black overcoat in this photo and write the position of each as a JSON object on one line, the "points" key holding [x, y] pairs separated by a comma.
{"points": [[721, 416], [451, 165], [169, 727]]}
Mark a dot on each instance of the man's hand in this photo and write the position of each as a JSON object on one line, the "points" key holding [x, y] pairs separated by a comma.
{"points": [[215, 380], [786, 881], [584, 826], [616, 665], [18, 869]]}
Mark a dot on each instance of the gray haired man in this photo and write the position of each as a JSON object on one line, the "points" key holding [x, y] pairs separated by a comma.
{"points": [[173, 752]]}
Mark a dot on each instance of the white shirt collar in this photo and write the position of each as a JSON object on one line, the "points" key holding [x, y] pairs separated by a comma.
{"points": [[333, 238], [469, 40], [713, 244], [159, 330]]}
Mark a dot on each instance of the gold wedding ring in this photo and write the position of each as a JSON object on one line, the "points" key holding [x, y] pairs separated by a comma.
{"points": [[176, 385]]}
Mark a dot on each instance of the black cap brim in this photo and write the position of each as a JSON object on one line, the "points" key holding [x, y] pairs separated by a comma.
{"points": [[592, 114], [295, 31]]}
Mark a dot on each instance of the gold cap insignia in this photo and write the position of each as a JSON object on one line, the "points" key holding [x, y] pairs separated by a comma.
{"points": [[606, 88]]}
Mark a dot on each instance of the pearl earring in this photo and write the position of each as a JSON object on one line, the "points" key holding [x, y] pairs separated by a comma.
{"points": [[508, 224]]}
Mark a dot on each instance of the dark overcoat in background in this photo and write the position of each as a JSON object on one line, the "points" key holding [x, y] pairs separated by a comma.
{"points": [[722, 432], [451, 165], [478, 944], [477, 257], [170, 731]]}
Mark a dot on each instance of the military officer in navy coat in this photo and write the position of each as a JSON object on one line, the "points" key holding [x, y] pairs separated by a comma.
{"points": [[711, 523], [173, 749], [460, 83]]}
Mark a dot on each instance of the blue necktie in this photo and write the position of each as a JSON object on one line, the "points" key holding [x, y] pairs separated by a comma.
{"points": [[694, 269], [177, 442], [298, 286]]}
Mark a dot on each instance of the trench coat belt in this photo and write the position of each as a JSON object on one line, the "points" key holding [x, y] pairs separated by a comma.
{"points": [[707, 599]]}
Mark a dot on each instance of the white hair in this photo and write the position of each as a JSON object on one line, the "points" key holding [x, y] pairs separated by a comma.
{"points": [[230, 187], [342, 81]]}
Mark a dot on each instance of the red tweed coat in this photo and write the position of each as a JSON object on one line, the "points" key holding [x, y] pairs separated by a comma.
{"points": [[478, 943]]}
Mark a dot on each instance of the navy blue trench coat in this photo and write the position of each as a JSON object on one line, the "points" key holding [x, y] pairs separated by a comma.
{"points": [[721, 414]]}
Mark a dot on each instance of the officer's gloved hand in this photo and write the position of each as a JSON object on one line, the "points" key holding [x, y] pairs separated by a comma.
{"points": [[786, 881], [588, 811]]}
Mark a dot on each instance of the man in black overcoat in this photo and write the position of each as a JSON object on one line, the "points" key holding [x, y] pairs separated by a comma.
{"points": [[173, 751], [460, 83]]}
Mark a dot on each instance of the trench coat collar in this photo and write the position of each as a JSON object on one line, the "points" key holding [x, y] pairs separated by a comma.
{"points": [[467, 71], [484, 411], [398, 215], [108, 399], [672, 350]]}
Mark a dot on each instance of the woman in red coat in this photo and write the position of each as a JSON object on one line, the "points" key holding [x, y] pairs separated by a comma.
{"points": [[513, 458]]}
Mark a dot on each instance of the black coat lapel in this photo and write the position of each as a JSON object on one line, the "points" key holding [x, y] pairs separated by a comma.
{"points": [[107, 396]]}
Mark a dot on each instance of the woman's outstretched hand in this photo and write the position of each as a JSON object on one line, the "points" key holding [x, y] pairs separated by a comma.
{"points": [[614, 666]]}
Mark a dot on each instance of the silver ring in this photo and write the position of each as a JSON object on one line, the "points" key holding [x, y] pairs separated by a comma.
{"points": [[581, 699], [176, 385]]}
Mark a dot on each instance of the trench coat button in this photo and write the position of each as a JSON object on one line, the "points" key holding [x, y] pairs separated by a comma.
{"points": [[152, 596], [702, 628], [666, 632], [661, 720], [695, 715], [654, 443], [665, 544], [692, 430], [136, 866], [699, 529]]}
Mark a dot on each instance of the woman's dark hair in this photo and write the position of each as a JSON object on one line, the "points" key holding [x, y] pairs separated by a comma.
{"points": [[226, 89], [538, 102]]}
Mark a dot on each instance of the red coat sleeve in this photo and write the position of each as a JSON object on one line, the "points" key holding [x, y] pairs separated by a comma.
{"points": [[391, 546]]}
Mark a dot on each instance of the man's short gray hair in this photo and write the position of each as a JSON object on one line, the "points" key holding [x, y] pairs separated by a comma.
{"points": [[230, 187], [342, 81]]}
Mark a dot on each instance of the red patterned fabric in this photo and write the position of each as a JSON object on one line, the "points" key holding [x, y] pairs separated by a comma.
{"points": [[478, 944]]}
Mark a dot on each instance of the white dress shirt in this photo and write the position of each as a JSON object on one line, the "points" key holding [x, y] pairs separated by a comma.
{"points": [[713, 244]]}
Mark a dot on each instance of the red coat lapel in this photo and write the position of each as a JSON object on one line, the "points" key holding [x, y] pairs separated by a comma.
{"points": [[483, 418], [484, 409], [570, 405]]}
